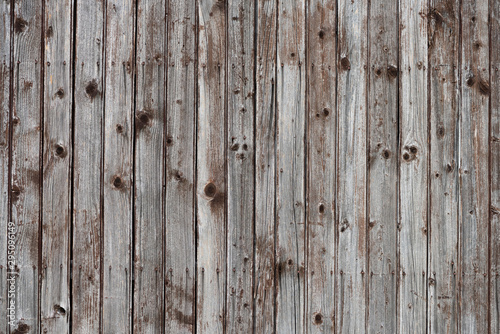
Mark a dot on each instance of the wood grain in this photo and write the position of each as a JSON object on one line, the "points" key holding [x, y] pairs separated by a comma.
{"points": [[473, 167], [88, 153], [383, 141], [211, 188], [321, 161], [26, 160], [180, 220], [443, 193], [118, 170], [149, 167]]}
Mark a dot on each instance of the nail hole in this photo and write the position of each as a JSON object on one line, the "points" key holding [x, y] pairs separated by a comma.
{"points": [[170, 140], [117, 182], [321, 208]]}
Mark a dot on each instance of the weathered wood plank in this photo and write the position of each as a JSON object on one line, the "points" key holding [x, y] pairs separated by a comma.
{"points": [[180, 316], [211, 165], [55, 284], [290, 165], [148, 297], [240, 164], [474, 167], [444, 97], [413, 167], [494, 298], [265, 167], [87, 167], [383, 166], [321, 162], [118, 166], [352, 162], [26, 157], [5, 98]]}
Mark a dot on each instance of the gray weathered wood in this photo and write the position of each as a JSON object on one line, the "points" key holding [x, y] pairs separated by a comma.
{"points": [[352, 106], [321, 162], [56, 188], [443, 179], [383, 166], [290, 163], [265, 167], [240, 164], [180, 251], [494, 298], [211, 188], [5, 98], [26, 154], [87, 167], [118, 166], [474, 167], [149, 121], [413, 156]]}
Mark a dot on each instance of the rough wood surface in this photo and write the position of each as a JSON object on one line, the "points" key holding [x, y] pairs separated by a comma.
{"points": [[118, 178], [265, 167], [56, 187], [474, 167], [180, 248], [444, 96], [5, 98], [290, 166], [87, 165], [383, 163], [26, 169], [240, 164], [211, 188], [149, 167], [321, 114], [352, 65], [413, 156]]}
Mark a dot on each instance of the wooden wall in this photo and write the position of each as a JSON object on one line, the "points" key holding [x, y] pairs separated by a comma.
{"points": [[250, 166]]}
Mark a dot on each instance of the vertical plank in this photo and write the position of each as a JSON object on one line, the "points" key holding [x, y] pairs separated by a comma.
{"points": [[149, 167], [180, 252], [55, 298], [211, 165], [494, 140], [474, 167], [118, 166], [5, 97], [443, 179], [87, 166], [321, 162], [383, 165], [265, 167], [412, 305], [290, 164], [240, 168], [26, 156], [352, 149]]}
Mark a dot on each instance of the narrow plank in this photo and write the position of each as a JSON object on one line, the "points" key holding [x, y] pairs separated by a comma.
{"points": [[265, 167], [414, 162], [211, 165], [148, 296], [321, 162], [118, 166], [240, 164], [5, 98], [352, 163], [494, 298], [290, 165], [383, 166], [26, 157], [55, 285], [443, 207], [474, 167], [87, 167], [180, 252]]}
